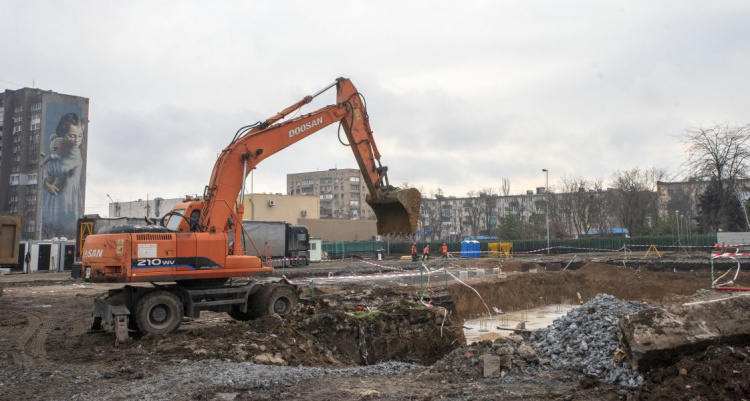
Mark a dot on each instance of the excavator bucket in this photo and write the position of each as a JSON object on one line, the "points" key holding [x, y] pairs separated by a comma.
{"points": [[398, 212]]}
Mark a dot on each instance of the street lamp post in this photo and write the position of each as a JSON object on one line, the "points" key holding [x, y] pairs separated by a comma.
{"points": [[546, 202]]}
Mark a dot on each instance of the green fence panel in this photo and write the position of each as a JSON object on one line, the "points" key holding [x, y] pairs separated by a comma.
{"points": [[368, 249]]}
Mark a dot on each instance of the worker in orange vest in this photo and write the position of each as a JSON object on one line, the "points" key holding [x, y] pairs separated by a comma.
{"points": [[426, 252], [414, 252], [444, 249]]}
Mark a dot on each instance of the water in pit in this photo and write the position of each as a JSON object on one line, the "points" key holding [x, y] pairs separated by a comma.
{"points": [[486, 328]]}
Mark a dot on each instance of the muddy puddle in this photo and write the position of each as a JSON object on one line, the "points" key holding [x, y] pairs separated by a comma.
{"points": [[501, 325]]}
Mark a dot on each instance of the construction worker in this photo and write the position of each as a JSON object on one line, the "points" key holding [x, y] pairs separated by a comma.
{"points": [[426, 252], [444, 250], [414, 252]]}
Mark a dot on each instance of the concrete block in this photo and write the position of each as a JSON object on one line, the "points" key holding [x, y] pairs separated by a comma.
{"points": [[502, 275], [495, 270], [463, 275], [491, 364], [479, 272], [653, 337]]}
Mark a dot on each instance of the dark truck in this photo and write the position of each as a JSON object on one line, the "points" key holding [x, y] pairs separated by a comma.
{"points": [[10, 236], [285, 244]]}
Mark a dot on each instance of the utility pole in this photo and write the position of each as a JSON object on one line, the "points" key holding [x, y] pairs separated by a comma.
{"points": [[546, 202]]}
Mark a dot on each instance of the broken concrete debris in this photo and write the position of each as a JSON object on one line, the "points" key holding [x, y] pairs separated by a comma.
{"points": [[655, 337]]}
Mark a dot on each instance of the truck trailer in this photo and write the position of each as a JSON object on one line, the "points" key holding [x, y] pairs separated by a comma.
{"points": [[10, 236], [280, 243]]}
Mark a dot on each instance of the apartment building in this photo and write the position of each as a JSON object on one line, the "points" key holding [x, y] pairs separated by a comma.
{"points": [[341, 192], [43, 149]]}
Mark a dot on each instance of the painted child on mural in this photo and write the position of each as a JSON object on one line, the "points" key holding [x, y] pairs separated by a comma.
{"points": [[62, 173]]}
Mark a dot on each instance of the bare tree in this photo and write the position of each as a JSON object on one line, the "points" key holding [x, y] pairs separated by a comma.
{"points": [[603, 204], [636, 197], [489, 201], [505, 187], [720, 152], [720, 155], [431, 215], [558, 221], [474, 210], [583, 204]]}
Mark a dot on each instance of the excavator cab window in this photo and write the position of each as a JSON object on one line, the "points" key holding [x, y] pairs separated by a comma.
{"points": [[174, 219], [195, 215]]}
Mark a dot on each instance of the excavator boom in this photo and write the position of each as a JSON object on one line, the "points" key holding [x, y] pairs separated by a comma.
{"points": [[200, 240], [396, 210]]}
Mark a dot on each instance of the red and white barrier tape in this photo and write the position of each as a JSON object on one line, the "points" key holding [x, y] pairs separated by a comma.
{"points": [[729, 255]]}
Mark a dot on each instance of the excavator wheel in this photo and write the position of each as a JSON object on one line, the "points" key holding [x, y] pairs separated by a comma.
{"points": [[237, 314], [158, 312], [274, 299]]}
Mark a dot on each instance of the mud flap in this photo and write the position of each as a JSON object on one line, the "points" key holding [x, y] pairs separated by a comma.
{"points": [[398, 211]]}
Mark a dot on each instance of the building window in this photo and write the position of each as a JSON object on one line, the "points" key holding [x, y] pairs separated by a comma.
{"points": [[17, 119], [19, 109], [326, 196], [35, 127], [354, 194], [354, 203], [326, 180], [16, 128], [35, 106], [354, 179]]}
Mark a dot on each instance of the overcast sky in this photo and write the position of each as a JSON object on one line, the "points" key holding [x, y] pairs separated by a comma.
{"points": [[460, 93]]}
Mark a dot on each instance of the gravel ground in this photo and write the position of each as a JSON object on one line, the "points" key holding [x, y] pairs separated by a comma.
{"points": [[190, 379]]}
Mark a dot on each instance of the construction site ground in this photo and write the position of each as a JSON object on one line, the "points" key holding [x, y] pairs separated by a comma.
{"points": [[365, 329]]}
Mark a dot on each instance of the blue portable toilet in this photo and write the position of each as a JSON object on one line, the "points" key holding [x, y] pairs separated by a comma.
{"points": [[475, 248], [465, 249]]}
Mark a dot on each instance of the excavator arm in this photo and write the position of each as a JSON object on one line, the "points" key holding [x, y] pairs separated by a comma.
{"points": [[397, 211]]}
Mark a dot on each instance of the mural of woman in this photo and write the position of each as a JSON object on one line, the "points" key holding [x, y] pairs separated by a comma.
{"points": [[64, 201]]}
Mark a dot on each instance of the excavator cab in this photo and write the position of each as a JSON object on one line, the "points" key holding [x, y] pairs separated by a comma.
{"points": [[398, 211]]}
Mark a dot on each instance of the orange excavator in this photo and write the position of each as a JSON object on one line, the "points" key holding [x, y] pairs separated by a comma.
{"points": [[199, 243]]}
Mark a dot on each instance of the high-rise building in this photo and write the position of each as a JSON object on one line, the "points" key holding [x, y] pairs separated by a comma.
{"points": [[43, 137], [341, 191]]}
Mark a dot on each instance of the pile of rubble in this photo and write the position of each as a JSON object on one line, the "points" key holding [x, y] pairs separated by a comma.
{"points": [[490, 358], [584, 340], [587, 338]]}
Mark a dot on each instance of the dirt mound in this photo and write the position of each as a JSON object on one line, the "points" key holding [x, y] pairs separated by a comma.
{"points": [[519, 291], [472, 361], [329, 330], [718, 373]]}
